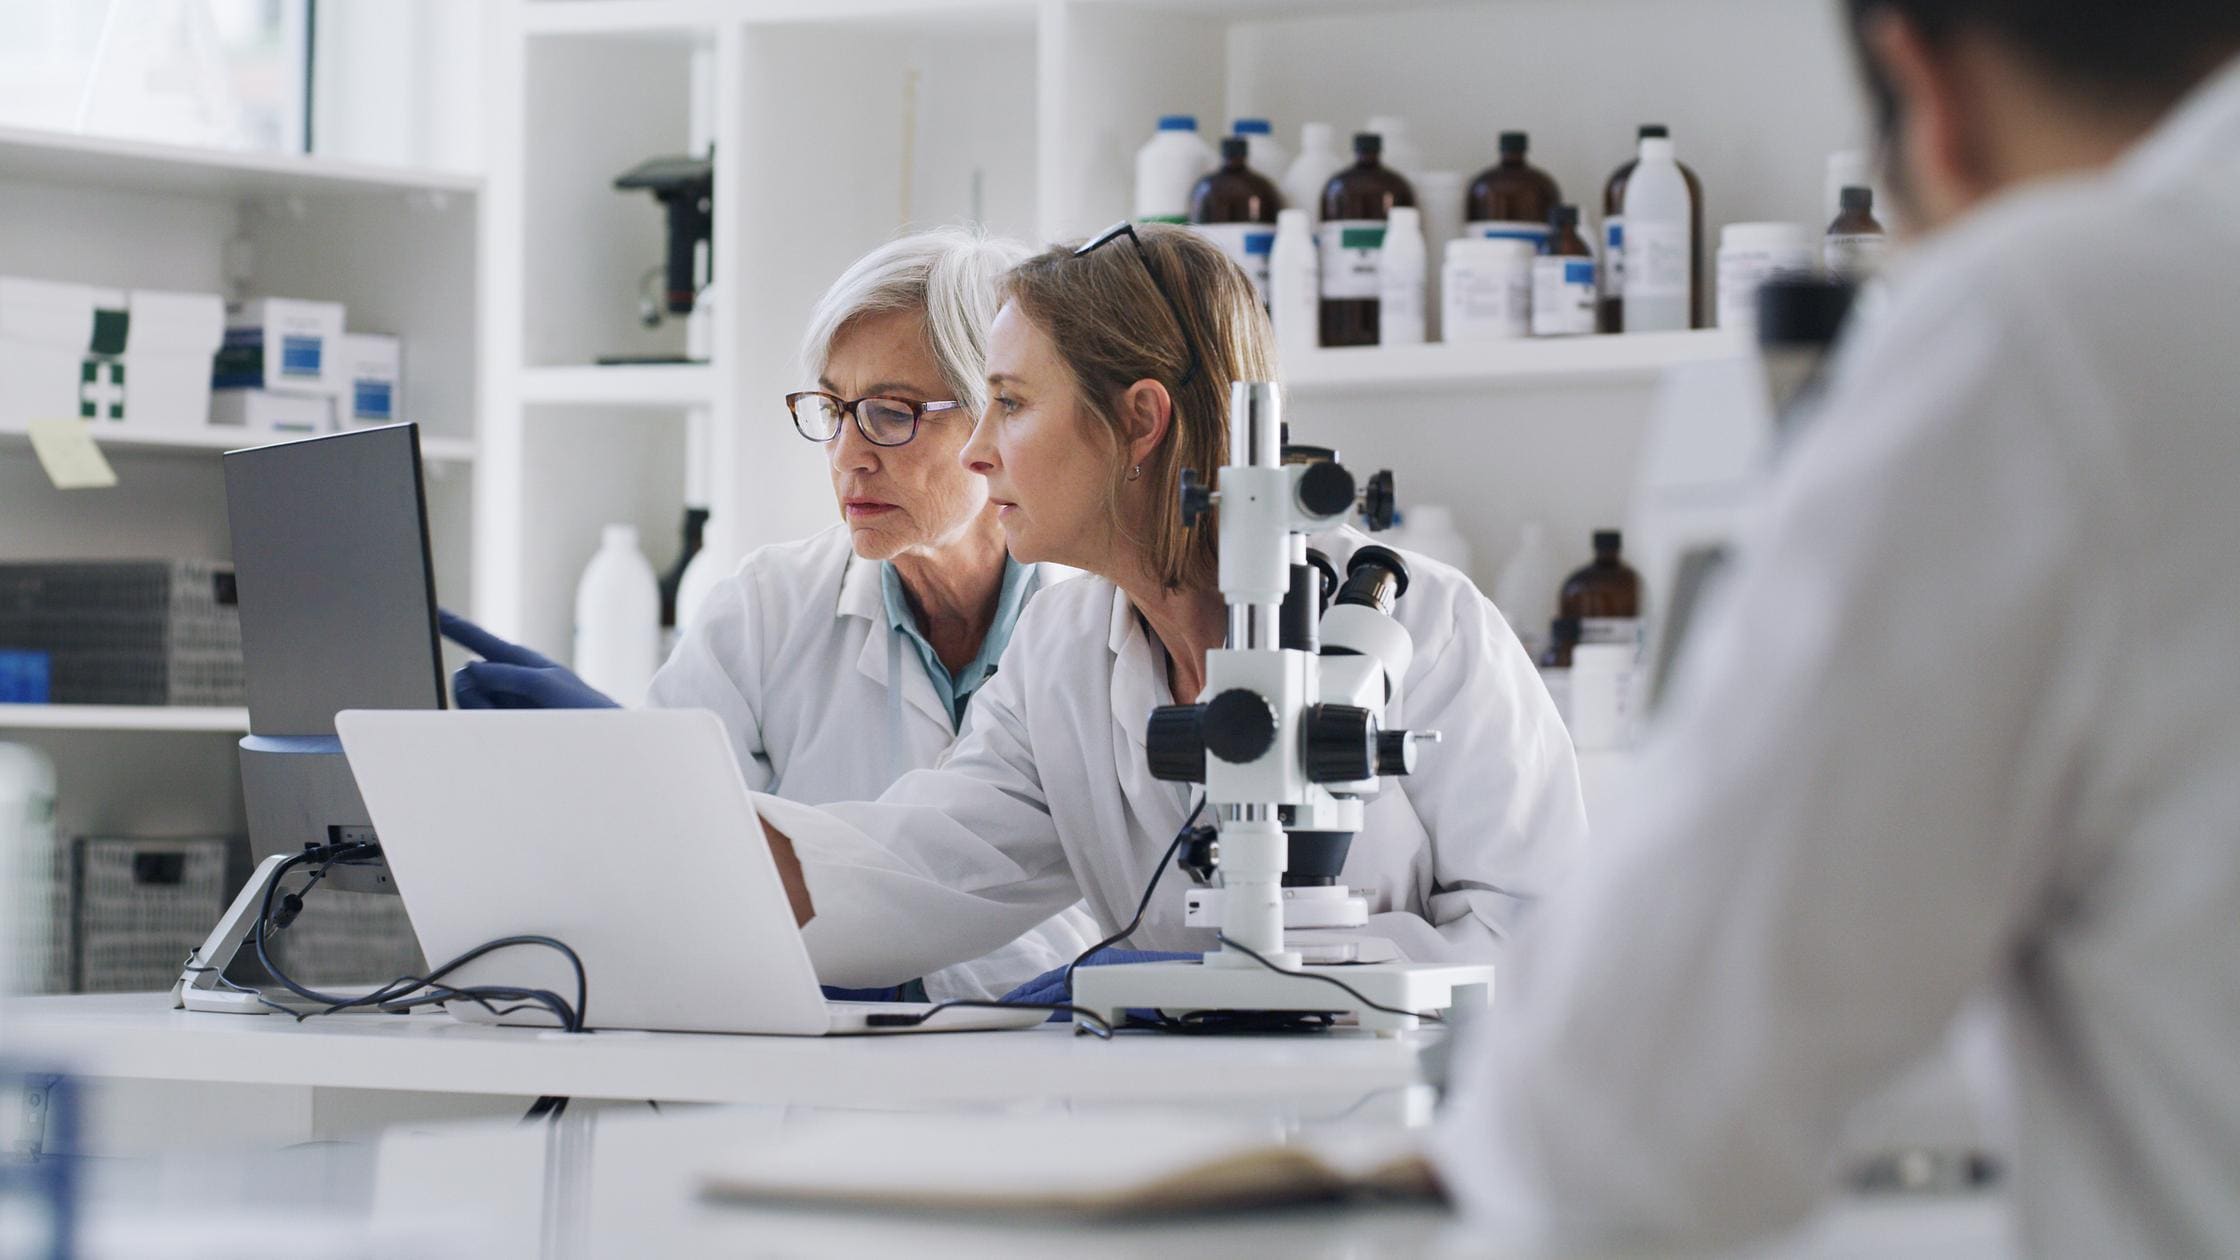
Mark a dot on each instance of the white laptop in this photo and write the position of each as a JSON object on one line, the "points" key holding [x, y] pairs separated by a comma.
{"points": [[627, 834]]}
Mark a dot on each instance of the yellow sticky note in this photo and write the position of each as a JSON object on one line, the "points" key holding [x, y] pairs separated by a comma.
{"points": [[67, 451]]}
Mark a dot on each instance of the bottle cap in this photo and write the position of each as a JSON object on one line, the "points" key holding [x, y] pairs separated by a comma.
{"points": [[1233, 148], [618, 536], [1317, 136], [1802, 311], [1608, 540], [1857, 198], [1655, 129], [1515, 142], [1178, 122], [1293, 220], [1656, 147], [1564, 218], [1253, 127], [1767, 236], [1367, 144], [1405, 218], [1490, 251]]}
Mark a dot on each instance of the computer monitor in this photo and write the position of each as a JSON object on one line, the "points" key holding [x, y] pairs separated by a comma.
{"points": [[338, 611]]}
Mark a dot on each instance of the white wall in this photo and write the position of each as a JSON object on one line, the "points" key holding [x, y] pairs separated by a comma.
{"points": [[399, 82]]}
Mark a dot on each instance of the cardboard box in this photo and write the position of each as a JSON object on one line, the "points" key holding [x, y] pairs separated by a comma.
{"points": [[262, 411], [373, 366], [115, 358], [283, 345]]}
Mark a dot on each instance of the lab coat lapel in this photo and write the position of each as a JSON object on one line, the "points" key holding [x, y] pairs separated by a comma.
{"points": [[860, 597]]}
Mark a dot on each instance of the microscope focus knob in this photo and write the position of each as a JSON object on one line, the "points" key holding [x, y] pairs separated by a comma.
{"points": [[1396, 753], [1341, 744], [1175, 744], [1326, 489], [1239, 726], [1380, 501], [1197, 497]]}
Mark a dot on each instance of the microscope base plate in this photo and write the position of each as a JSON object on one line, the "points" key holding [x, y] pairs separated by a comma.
{"points": [[1188, 986]]}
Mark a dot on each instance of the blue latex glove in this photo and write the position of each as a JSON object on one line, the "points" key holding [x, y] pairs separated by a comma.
{"points": [[1050, 987], [510, 676]]}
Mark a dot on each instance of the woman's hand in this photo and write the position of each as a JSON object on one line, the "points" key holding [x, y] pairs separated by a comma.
{"points": [[789, 874]]}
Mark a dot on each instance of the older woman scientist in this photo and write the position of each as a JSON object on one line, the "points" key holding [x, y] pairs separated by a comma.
{"points": [[843, 660], [1109, 370]]}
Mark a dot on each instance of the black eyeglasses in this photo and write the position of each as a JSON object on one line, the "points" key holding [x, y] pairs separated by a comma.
{"points": [[1181, 328], [883, 421]]}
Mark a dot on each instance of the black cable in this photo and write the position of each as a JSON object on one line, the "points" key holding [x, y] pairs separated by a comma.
{"points": [[1144, 904], [1354, 993], [547, 1107], [911, 1019], [398, 994]]}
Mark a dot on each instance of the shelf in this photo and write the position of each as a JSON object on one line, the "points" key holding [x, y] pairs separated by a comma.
{"points": [[435, 450], [138, 166], [622, 385], [1614, 360], [121, 717]]}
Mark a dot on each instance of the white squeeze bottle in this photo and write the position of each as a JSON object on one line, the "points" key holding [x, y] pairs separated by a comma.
{"points": [[618, 618], [1318, 160], [1295, 282], [1263, 152], [1659, 228], [1400, 267], [1168, 166]]}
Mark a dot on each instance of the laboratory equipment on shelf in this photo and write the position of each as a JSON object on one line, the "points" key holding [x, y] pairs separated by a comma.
{"points": [[1288, 743], [686, 188]]}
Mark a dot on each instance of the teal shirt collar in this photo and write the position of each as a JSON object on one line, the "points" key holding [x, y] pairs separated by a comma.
{"points": [[956, 690]]}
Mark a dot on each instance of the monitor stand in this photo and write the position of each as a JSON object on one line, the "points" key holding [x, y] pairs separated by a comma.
{"points": [[202, 985]]}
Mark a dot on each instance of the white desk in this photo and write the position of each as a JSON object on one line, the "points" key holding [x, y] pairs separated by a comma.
{"points": [[429, 1066]]}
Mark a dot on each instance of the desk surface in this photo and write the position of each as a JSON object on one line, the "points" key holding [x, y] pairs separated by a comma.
{"points": [[139, 1036]]}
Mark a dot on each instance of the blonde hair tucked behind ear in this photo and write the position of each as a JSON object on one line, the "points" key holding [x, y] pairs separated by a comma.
{"points": [[1104, 314], [953, 276]]}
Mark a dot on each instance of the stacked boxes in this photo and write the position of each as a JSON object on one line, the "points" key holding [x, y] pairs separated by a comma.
{"points": [[128, 632], [105, 355], [280, 367], [142, 906]]}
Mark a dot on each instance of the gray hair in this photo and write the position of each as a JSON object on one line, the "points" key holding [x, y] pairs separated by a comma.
{"points": [[951, 275]]}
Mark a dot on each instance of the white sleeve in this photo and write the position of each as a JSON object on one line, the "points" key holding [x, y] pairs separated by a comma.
{"points": [[1498, 795], [947, 865], [1841, 824], [717, 666]]}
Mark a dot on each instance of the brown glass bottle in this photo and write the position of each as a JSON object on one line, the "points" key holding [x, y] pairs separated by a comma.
{"points": [[1234, 206], [1512, 197], [1613, 252], [1605, 596], [1855, 241], [1563, 635], [1355, 204]]}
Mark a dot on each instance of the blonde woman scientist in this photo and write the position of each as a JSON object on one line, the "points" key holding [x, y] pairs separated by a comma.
{"points": [[1109, 371], [841, 661]]}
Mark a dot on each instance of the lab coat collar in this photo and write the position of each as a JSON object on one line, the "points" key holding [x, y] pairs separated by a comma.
{"points": [[862, 596], [2203, 130], [1139, 681]]}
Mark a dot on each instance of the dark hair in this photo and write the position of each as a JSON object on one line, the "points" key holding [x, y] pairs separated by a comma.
{"points": [[2138, 55]]}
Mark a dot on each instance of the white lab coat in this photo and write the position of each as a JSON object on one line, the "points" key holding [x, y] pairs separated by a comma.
{"points": [[1964, 728], [1047, 798], [792, 651]]}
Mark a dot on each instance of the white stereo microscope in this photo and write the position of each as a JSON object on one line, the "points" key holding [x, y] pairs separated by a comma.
{"points": [[1288, 743]]}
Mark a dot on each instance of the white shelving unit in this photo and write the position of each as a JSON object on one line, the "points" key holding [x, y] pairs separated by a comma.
{"points": [[1025, 115], [122, 717], [397, 247]]}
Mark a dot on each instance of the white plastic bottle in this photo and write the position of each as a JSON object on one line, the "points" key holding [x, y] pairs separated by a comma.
{"points": [[1318, 160], [1400, 287], [1263, 152], [1295, 282], [1400, 152], [1525, 589], [1659, 221], [1168, 166], [618, 618]]}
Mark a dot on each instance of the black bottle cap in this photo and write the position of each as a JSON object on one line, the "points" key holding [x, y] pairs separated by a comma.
{"points": [[1564, 218], [1802, 310], [1233, 148], [1367, 144], [1655, 131], [1856, 198], [1609, 540], [1516, 142]]}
